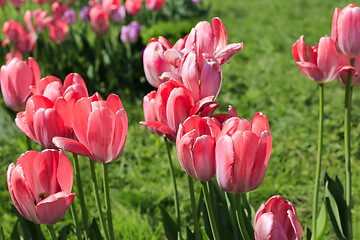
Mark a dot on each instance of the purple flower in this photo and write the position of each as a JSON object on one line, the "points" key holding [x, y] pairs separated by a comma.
{"points": [[70, 16], [84, 13], [130, 32], [196, 1], [119, 15]]}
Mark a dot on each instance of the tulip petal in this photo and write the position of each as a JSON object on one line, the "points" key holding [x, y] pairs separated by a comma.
{"points": [[211, 78], [64, 173], [184, 151], [220, 34], [259, 123], [114, 103], [225, 161], [81, 111], [21, 123], [120, 133], [159, 126], [71, 145], [204, 157], [224, 54], [53, 208], [311, 71]]}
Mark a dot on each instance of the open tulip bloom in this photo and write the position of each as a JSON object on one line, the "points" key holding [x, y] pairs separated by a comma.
{"points": [[319, 63], [100, 127], [40, 185]]}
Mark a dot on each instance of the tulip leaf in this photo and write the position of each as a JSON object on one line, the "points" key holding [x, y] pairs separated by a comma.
{"points": [[321, 223], [189, 234], [170, 227], [94, 231], [336, 207], [15, 231], [204, 235], [179, 237], [64, 232], [308, 233], [28, 229], [2, 236]]}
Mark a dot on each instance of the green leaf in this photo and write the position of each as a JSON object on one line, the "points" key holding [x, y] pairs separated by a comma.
{"points": [[170, 227], [336, 207], [15, 232], [204, 235], [64, 232], [179, 237], [321, 223], [94, 231], [308, 233], [189, 234], [28, 229], [2, 236]]}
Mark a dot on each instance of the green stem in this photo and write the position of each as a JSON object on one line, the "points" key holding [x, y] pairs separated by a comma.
{"points": [[97, 199], [347, 136], [210, 210], [176, 200], [52, 232], [240, 216], [76, 221], [81, 193], [107, 201], [232, 211], [318, 164], [194, 212]]}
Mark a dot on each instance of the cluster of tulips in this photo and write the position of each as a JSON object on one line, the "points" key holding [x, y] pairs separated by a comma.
{"points": [[98, 13], [59, 115], [338, 57], [188, 79]]}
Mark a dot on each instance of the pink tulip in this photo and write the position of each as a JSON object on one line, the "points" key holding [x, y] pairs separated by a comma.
{"points": [[58, 31], [44, 119], [195, 145], [13, 53], [149, 111], [345, 30], [3, 3], [173, 104], [277, 219], [242, 153], [40, 185], [133, 7], [222, 117], [99, 19], [17, 3], [17, 78], [16, 34], [319, 63], [342, 76], [154, 60], [58, 10], [110, 6], [101, 128], [155, 5], [40, 19]]}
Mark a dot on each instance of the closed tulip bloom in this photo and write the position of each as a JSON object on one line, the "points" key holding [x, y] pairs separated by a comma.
{"points": [[242, 153], [129, 33], [40, 185], [319, 63], [100, 127], [345, 30], [58, 31], [155, 5], [99, 19], [17, 78], [195, 145], [154, 60], [277, 220], [133, 7]]}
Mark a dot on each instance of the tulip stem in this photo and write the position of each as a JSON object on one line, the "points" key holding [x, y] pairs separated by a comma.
{"points": [[174, 183], [107, 200], [81, 193], [28, 142], [240, 216], [193, 206], [210, 211], [76, 220], [347, 136], [52, 232], [230, 202], [97, 199], [319, 156]]}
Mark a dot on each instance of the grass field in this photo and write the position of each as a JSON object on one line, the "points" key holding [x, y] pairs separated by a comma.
{"points": [[262, 77]]}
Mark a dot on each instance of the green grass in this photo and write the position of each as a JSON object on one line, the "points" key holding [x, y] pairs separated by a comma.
{"points": [[262, 77]]}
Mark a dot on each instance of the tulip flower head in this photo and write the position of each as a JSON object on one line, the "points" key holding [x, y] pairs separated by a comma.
{"points": [[319, 63], [277, 219], [155, 5], [130, 32], [100, 127], [58, 31], [40, 185], [70, 16], [17, 78], [99, 19], [119, 15], [345, 30], [84, 13], [3, 3], [242, 153], [195, 145], [133, 7]]}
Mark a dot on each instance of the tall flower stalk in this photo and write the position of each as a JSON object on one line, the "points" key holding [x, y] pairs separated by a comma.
{"points": [[319, 156], [107, 201]]}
